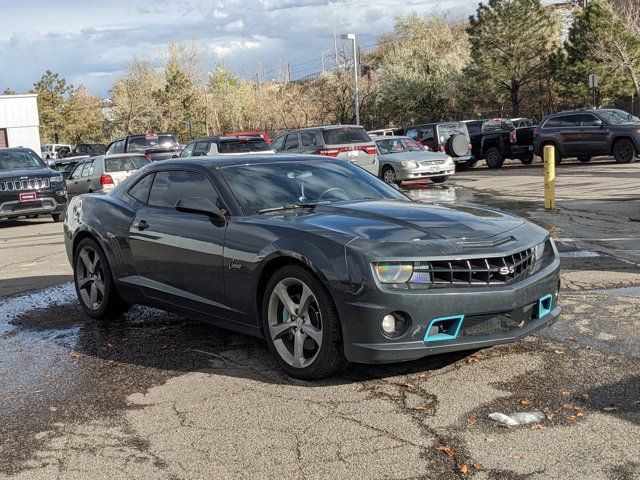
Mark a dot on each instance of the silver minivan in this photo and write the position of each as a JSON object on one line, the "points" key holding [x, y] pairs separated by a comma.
{"points": [[347, 142], [103, 173]]}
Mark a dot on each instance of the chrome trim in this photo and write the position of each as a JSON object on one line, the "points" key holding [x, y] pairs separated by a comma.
{"points": [[24, 184]]}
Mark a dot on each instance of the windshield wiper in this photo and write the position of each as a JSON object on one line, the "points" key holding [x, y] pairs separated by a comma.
{"points": [[288, 207]]}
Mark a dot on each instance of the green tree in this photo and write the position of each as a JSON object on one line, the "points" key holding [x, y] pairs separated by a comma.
{"points": [[83, 117], [52, 91], [511, 43], [9, 91]]}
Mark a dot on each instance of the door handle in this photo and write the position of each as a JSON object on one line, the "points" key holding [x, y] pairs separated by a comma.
{"points": [[141, 225]]}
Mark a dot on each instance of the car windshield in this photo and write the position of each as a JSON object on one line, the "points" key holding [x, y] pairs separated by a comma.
{"points": [[342, 135], [17, 160], [65, 167], [243, 146], [398, 145], [142, 143], [287, 184], [617, 117], [125, 164]]}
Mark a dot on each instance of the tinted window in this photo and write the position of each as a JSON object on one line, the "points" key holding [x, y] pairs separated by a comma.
{"points": [[474, 127], [13, 159], [170, 186], [76, 172], [124, 164], [188, 150], [617, 117], [447, 130], [243, 146], [570, 121], [141, 143], [289, 183], [341, 135], [291, 142], [278, 143], [87, 169], [588, 120], [398, 146], [553, 122], [200, 149], [308, 139], [140, 191], [118, 147]]}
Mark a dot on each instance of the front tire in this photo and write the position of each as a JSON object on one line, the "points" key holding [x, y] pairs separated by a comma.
{"points": [[389, 176], [494, 158], [624, 151], [57, 217], [527, 160], [439, 179], [301, 324], [94, 282], [584, 159]]}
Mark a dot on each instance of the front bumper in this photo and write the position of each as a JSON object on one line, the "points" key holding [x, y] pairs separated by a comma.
{"points": [[47, 202], [425, 172], [495, 315], [462, 159]]}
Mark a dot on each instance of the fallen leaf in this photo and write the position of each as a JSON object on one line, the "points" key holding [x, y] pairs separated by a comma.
{"points": [[573, 339], [538, 427], [585, 396], [472, 360], [571, 417], [567, 406], [421, 407], [525, 402], [408, 385], [445, 449], [588, 347], [73, 358], [521, 324], [551, 416], [610, 408], [464, 469], [558, 352], [580, 414], [472, 421], [566, 393], [423, 375], [53, 409], [478, 466], [508, 427]]}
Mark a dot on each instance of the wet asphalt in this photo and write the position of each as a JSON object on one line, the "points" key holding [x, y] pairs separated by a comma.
{"points": [[155, 395]]}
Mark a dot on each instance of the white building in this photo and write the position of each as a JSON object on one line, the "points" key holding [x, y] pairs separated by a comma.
{"points": [[19, 122]]}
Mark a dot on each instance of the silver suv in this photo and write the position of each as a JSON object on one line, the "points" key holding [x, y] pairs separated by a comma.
{"points": [[347, 142]]}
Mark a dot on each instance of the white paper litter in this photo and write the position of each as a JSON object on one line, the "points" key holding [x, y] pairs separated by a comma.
{"points": [[517, 418]]}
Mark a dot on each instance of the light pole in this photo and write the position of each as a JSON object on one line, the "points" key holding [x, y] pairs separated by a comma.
{"points": [[356, 99]]}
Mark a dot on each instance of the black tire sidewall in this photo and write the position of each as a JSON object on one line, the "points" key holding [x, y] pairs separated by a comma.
{"points": [[331, 354], [498, 161], [441, 179], [111, 300], [627, 142], [385, 170]]}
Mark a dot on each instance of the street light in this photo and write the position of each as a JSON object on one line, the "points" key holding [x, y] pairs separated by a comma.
{"points": [[352, 37]]}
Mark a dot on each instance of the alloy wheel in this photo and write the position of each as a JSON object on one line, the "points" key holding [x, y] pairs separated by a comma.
{"points": [[295, 322], [389, 175], [90, 278]]}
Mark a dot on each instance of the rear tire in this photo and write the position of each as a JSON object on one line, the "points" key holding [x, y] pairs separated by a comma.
{"points": [[311, 347], [584, 159], [94, 282], [471, 163], [527, 161], [439, 179], [494, 158], [624, 151], [57, 217]]}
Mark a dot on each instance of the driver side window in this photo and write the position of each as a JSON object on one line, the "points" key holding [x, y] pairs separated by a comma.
{"points": [[76, 172], [172, 185], [188, 151]]}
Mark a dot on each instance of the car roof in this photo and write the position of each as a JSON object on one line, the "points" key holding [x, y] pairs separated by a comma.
{"points": [[323, 127], [221, 162], [248, 136], [391, 137]]}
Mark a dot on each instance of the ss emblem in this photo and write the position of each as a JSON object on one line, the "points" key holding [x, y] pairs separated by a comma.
{"points": [[507, 270]]}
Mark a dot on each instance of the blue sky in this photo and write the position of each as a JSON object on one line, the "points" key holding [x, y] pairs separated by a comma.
{"points": [[90, 43]]}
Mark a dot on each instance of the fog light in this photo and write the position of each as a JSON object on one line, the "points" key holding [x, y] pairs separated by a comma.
{"points": [[61, 193], [389, 324]]}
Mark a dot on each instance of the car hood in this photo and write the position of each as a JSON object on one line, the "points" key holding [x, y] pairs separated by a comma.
{"points": [[27, 172], [404, 221], [413, 156]]}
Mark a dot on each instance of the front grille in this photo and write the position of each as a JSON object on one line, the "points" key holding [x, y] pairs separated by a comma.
{"points": [[489, 324], [432, 162], [28, 184], [477, 271]]}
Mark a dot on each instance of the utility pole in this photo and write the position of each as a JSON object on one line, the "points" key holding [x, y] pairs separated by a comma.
{"points": [[288, 72], [356, 96], [335, 40]]}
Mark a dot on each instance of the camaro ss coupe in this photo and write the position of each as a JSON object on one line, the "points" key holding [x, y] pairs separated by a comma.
{"points": [[320, 258]]}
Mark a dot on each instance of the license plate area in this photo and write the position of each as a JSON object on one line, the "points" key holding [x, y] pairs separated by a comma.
{"points": [[26, 197]]}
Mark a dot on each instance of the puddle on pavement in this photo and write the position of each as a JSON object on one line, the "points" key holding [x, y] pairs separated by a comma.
{"points": [[615, 292], [580, 254]]}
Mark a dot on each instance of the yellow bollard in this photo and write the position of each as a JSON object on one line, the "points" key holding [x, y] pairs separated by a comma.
{"points": [[549, 177]]}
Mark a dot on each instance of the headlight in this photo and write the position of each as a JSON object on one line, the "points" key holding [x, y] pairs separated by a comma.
{"points": [[538, 253], [56, 179], [408, 164], [394, 272], [449, 160]]}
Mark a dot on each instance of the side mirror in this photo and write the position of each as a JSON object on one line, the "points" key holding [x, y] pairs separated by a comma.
{"points": [[598, 123], [51, 163], [200, 205], [175, 156]]}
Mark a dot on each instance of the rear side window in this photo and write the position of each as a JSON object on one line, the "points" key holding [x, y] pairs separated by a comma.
{"points": [[291, 142], [309, 139], [588, 120], [117, 147], [447, 130], [170, 186], [553, 122], [188, 150], [342, 135], [200, 149], [124, 164], [87, 169], [570, 121], [474, 127], [140, 191]]}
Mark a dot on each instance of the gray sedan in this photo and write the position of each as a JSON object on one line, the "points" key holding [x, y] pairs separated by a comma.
{"points": [[103, 173], [402, 158]]}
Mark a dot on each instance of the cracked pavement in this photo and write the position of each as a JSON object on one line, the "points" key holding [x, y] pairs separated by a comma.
{"points": [[156, 395]]}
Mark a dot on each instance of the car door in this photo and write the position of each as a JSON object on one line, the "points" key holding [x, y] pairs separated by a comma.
{"points": [[80, 180], [179, 256], [73, 182], [571, 135], [595, 138], [188, 150]]}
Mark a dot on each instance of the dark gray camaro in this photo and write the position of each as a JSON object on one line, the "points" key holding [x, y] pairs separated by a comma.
{"points": [[319, 257]]}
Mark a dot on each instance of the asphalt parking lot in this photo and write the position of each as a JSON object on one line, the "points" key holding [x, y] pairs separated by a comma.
{"points": [[159, 396]]}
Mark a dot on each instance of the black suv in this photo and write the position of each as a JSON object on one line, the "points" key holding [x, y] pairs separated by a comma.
{"points": [[154, 146], [589, 133], [28, 187], [451, 138]]}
